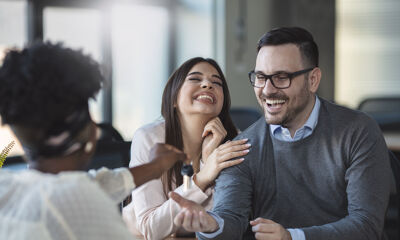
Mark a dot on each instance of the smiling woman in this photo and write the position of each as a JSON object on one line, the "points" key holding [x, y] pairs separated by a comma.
{"points": [[201, 92], [195, 107]]}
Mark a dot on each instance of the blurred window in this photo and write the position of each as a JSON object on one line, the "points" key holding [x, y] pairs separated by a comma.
{"points": [[149, 39], [78, 29], [141, 45], [194, 27], [367, 50], [13, 35]]}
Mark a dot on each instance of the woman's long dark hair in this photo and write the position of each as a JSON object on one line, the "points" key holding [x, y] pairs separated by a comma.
{"points": [[173, 132]]}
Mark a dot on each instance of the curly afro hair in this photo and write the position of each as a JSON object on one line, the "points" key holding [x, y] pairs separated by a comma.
{"points": [[44, 83]]}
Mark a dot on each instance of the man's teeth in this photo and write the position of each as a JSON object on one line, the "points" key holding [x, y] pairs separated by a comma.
{"points": [[206, 96], [273, 102]]}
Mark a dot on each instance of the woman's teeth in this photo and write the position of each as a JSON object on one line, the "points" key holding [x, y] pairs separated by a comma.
{"points": [[206, 97]]}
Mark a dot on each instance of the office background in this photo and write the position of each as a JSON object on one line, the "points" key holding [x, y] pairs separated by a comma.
{"points": [[140, 43]]}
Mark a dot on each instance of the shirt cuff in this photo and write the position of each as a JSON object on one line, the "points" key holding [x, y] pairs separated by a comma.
{"points": [[194, 193], [220, 222], [128, 177], [297, 234]]}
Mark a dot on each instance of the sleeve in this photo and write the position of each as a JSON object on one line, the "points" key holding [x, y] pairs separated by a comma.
{"points": [[220, 223], [81, 210], [235, 184], [368, 177], [155, 213], [117, 183], [296, 234]]}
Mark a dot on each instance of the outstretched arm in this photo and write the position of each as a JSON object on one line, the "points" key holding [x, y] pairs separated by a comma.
{"points": [[162, 157]]}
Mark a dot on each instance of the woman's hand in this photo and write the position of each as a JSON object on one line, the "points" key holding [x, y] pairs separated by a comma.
{"points": [[214, 133], [220, 159]]}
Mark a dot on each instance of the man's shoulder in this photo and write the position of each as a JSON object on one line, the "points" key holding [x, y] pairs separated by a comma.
{"points": [[342, 116], [259, 138], [256, 130]]}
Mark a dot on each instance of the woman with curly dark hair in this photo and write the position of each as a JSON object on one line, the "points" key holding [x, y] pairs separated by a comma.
{"points": [[44, 92], [196, 120]]}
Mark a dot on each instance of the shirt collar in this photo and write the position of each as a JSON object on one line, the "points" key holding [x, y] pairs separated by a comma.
{"points": [[311, 121]]}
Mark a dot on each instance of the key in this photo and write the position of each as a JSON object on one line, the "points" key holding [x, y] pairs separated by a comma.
{"points": [[187, 173]]}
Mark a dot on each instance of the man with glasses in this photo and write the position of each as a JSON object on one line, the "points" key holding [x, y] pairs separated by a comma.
{"points": [[315, 170]]}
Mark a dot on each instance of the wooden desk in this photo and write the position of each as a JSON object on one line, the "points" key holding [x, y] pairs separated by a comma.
{"points": [[179, 238], [169, 238], [392, 140]]}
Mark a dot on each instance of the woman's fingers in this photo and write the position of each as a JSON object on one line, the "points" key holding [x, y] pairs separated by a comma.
{"points": [[229, 144], [215, 130], [232, 155], [220, 125], [231, 163], [234, 148], [214, 126], [215, 121]]}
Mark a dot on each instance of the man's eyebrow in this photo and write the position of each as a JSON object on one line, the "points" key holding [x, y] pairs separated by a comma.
{"points": [[276, 72]]}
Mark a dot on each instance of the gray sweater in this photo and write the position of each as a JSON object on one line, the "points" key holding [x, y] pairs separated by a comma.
{"points": [[333, 184]]}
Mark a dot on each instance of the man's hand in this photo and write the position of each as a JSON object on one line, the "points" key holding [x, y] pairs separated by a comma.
{"points": [[163, 157], [266, 229], [193, 217]]}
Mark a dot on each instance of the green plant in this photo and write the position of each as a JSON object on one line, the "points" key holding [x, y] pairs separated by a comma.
{"points": [[5, 152]]}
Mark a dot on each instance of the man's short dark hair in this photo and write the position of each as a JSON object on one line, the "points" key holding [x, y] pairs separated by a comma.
{"points": [[45, 82], [295, 35]]}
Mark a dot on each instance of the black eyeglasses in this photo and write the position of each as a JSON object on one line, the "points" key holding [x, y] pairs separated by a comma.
{"points": [[279, 80]]}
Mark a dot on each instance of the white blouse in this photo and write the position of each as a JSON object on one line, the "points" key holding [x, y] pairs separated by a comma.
{"points": [[69, 205], [151, 213]]}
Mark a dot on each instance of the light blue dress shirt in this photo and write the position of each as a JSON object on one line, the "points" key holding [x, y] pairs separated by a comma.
{"points": [[282, 134]]}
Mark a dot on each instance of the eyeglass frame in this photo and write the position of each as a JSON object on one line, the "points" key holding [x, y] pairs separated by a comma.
{"points": [[290, 76]]}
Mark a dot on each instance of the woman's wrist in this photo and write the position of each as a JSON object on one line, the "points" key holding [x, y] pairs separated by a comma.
{"points": [[200, 182]]}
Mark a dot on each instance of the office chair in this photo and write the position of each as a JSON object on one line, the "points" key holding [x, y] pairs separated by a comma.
{"points": [[108, 132], [243, 117], [111, 149], [110, 154], [385, 110]]}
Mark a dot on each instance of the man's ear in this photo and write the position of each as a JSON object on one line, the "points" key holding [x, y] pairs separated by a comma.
{"points": [[314, 78]]}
